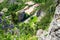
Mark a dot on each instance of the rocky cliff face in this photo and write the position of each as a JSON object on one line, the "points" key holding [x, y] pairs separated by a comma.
{"points": [[54, 30]]}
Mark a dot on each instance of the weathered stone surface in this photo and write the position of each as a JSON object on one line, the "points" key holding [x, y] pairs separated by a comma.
{"points": [[31, 9], [41, 34], [55, 26], [30, 3], [1, 13], [1, 1]]}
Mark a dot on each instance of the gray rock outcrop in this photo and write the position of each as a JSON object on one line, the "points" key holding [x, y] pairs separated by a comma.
{"points": [[54, 30]]}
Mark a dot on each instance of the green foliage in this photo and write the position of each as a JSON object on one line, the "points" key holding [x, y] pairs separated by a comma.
{"points": [[33, 19], [45, 21], [27, 30], [13, 7], [39, 1]]}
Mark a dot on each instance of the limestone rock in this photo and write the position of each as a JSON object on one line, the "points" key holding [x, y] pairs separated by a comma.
{"points": [[30, 3], [41, 34], [1, 1], [26, 7], [31, 9], [1, 13], [55, 25]]}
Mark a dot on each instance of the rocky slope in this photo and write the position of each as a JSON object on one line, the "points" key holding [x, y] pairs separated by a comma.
{"points": [[54, 29]]}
